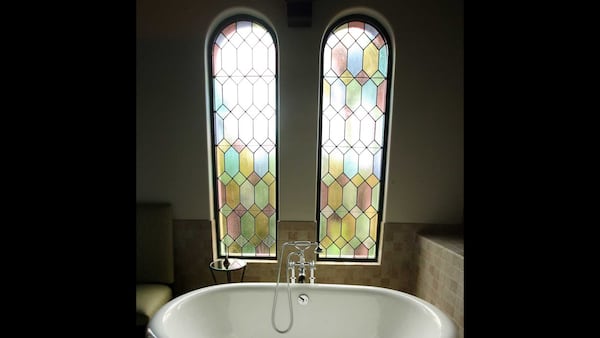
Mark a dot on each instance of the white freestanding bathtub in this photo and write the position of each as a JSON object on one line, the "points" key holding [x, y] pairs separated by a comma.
{"points": [[244, 310]]}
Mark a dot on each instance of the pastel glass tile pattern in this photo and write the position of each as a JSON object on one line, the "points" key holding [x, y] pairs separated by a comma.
{"points": [[244, 82], [353, 118]]}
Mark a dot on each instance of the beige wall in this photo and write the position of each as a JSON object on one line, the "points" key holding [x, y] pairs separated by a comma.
{"points": [[440, 274], [425, 161]]}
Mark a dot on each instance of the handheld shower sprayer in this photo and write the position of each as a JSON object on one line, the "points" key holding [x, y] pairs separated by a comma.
{"points": [[302, 265]]}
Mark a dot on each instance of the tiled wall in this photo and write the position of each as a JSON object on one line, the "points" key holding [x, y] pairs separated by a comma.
{"points": [[398, 268], [440, 274]]}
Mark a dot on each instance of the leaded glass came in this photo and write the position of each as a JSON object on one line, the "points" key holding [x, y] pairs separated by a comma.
{"points": [[244, 117], [352, 139]]}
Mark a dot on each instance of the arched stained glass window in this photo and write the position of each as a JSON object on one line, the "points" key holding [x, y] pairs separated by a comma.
{"points": [[243, 65], [355, 89]]}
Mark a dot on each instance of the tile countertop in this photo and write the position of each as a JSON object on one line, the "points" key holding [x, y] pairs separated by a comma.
{"points": [[453, 243]]}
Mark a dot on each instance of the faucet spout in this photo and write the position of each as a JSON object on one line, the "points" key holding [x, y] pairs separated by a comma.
{"points": [[301, 264]]}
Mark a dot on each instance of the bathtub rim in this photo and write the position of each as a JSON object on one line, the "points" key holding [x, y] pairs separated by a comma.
{"points": [[448, 325]]}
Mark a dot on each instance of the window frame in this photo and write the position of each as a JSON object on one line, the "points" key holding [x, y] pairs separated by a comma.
{"points": [[332, 27], [211, 97]]}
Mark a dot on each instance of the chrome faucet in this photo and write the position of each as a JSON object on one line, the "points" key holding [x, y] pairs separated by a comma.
{"points": [[301, 264]]}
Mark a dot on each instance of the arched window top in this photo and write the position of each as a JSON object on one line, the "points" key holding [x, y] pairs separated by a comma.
{"points": [[244, 46]]}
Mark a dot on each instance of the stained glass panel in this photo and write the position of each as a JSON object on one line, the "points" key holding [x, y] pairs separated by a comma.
{"points": [[244, 106], [353, 118]]}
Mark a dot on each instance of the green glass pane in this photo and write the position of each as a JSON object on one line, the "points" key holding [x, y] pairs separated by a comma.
{"points": [[354, 242], [341, 212], [247, 194], [241, 241], [322, 226], [227, 240], [249, 249], [273, 226], [232, 161], [348, 227], [375, 196], [272, 195], [349, 196], [362, 227], [247, 225], [261, 194], [353, 94], [372, 252], [377, 78], [328, 179], [369, 95], [224, 178], [273, 163], [347, 251], [333, 251], [239, 178]]}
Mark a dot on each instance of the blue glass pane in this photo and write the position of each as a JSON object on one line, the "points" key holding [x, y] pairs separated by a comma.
{"points": [[377, 164], [369, 95], [383, 60], [218, 129], [355, 61], [261, 162]]}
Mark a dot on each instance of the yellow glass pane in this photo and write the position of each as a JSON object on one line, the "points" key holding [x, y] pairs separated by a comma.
{"points": [[255, 241], [347, 77], [348, 227], [268, 178], [220, 161], [254, 210], [340, 242], [326, 93], [334, 226], [334, 195], [262, 225], [372, 180], [232, 194], [246, 162], [336, 163], [373, 227], [272, 199], [357, 180], [325, 242], [371, 59], [235, 248]]}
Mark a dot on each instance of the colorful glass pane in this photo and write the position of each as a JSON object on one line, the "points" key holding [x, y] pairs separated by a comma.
{"points": [[244, 138], [353, 117]]}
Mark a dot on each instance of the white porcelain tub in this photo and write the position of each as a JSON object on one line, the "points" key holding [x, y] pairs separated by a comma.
{"points": [[244, 310]]}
